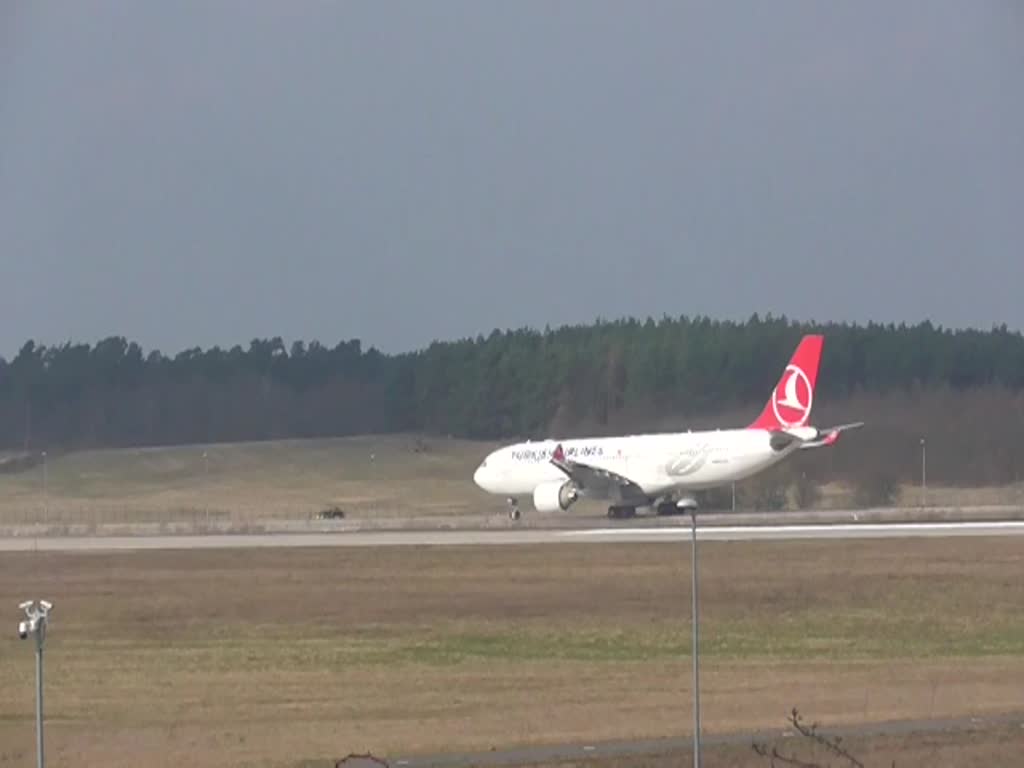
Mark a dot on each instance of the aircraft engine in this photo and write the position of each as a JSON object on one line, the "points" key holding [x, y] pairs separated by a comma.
{"points": [[554, 496]]}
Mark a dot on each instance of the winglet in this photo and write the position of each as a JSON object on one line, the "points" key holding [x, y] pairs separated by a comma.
{"points": [[791, 400]]}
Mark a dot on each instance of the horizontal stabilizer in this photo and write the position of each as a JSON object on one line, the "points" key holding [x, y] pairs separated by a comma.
{"points": [[808, 437], [830, 435]]}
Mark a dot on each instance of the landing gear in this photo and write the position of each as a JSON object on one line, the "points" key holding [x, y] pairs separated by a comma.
{"points": [[621, 513], [681, 507], [513, 509]]}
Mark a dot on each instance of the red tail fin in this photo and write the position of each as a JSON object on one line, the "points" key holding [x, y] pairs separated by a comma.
{"points": [[792, 398]]}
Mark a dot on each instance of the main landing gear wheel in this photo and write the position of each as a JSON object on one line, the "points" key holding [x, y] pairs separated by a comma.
{"points": [[513, 510], [621, 513], [684, 506]]}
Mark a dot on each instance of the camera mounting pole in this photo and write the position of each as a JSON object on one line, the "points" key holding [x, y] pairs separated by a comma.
{"points": [[36, 626]]}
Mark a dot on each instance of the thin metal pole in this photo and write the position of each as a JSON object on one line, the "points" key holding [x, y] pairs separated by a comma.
{"points": [[206, 485], [924, 467], [696, 643], [39, 697], [46, 492]]}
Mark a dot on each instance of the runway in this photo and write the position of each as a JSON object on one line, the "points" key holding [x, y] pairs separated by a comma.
{"points": [[488, 537]]}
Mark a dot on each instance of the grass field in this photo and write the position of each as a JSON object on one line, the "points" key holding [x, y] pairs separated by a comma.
{"points": [[279, 658], [368, 477]]}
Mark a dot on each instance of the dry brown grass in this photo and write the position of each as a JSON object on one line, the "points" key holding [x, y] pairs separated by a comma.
{"points": [[272, 657], [291, 479]]}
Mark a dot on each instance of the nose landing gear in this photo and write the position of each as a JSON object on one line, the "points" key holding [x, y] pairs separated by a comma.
{"points": [[513, 509]]}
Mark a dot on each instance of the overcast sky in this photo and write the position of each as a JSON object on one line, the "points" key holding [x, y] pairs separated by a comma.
{"points": [[198, 173]]}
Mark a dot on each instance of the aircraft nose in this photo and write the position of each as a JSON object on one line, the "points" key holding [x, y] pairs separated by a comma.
{"points": [[483, 476]]}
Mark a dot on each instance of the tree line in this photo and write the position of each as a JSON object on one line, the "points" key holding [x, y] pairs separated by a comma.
{"points": [[964, 386]]}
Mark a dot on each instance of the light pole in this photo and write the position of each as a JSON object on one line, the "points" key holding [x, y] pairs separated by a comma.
{"points": [[695, 621], [36, 626], [46, 495], [924, 467], [206, 486]]}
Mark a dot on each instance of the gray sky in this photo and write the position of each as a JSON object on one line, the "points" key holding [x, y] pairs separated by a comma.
{"points": [[198, 173]]}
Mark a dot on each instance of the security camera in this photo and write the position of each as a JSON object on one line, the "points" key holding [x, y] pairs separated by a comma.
{"points": [[23, 629]]}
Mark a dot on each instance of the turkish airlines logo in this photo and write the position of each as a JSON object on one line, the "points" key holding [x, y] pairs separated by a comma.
{"points": [[690, 461], [793, 408]]}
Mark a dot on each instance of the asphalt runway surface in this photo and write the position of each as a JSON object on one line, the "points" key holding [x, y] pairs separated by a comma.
{"points": [[622, 533], [639, 747]]}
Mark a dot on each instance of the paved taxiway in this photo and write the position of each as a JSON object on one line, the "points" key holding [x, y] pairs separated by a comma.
{"points": [[566, 752], [466, 537]]}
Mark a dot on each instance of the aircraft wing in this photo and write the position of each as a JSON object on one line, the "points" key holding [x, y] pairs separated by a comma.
{"points": [[595, 482]]}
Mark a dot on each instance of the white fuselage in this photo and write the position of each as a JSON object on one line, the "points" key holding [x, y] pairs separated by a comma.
{"points": [[659, 463]]}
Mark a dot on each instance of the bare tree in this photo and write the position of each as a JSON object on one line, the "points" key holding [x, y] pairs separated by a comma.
{"points": [[831, 745]]}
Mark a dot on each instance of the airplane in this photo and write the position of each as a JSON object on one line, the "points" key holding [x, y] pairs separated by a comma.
{"points": [[662, 470]]}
